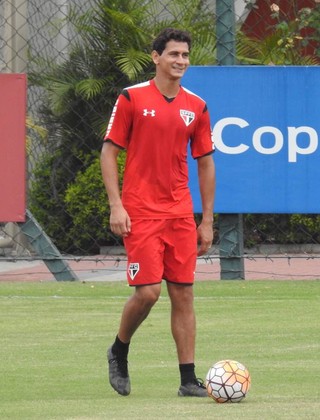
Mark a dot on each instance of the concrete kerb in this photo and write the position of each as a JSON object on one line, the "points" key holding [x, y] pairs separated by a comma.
{"points": [[268, 262]]}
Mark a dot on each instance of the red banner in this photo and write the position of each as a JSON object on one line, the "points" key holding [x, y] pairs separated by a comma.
{"points": [[12, 147]]}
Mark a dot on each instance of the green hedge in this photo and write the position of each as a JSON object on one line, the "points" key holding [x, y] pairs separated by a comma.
{"points": [[87, 205], [75, 217]]}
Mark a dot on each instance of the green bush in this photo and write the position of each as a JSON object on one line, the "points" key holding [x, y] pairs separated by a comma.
{"points": [[306, 227], [46, 199], [281, 229], [87, 205]]}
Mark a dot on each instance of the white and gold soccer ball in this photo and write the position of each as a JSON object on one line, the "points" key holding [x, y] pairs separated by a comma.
{"points": [[228, 381]]}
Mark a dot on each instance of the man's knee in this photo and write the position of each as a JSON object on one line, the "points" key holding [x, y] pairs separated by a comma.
{"points": [[180, 294], [148, 295]]}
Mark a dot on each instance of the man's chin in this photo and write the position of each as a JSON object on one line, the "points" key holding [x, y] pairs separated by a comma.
{"points": [[177, 75]]}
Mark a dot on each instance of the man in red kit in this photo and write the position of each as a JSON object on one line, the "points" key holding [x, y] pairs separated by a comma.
{"points": [[154, 121]]}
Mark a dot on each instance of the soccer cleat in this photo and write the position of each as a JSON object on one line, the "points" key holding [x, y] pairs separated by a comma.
{"points": [[193, 389], [118, 374]]}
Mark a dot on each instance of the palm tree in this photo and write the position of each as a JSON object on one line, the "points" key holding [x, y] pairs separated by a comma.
{"points": [[270, 51]]}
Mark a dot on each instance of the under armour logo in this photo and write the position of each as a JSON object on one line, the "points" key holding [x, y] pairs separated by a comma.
{"points": [[133, 270], [187, 116], [146, 113]]}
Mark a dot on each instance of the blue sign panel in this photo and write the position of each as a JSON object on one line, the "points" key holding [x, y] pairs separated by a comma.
{"points": [[266, 127]]}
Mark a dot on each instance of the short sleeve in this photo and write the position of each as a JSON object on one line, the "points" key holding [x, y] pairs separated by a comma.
{"points": [[120, 122], [201, 140]]}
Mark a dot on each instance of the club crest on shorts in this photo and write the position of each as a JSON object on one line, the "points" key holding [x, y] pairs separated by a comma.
{"points": [[187, 116], [133, 270]]}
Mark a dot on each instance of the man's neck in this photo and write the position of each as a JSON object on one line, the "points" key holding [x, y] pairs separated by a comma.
{"points": [[168, 88]]}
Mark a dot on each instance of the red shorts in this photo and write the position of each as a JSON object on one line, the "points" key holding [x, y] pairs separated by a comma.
{"points": [[161, 249]]}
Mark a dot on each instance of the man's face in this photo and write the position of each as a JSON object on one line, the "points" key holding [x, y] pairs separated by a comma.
{"points": [[174, 60]]}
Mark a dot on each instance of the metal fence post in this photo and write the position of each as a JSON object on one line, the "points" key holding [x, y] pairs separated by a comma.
{"points": [[230, 225], [46, 249]]}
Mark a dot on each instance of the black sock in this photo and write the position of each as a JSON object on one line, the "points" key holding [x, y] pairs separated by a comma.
{"points": [[120, 349], [187, 373]]}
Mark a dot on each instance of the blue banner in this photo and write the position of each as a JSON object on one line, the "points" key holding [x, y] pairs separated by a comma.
{"points": [[265, 126]]}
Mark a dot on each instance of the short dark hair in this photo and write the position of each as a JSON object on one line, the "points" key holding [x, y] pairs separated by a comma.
{"points": [[168, 34]]}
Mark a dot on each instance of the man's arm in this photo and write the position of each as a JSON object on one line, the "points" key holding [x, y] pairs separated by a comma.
{"points": [[207, 185], [119, 219]]}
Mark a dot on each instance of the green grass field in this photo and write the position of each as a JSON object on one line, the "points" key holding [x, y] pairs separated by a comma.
{"points": [[54, 338]]}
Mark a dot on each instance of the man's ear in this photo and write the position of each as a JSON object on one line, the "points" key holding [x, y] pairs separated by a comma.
{"points": [[155, 57]]}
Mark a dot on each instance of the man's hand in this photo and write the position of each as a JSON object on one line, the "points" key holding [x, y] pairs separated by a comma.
{"points": [[205, 237], [120, 222]]}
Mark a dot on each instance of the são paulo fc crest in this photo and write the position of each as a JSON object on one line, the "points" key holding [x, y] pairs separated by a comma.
{"points": [[133, 270], [187, 116]]}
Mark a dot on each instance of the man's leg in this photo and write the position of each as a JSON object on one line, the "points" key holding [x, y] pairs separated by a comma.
{"points": [[183, 326], [183, 322], [134, 313], [137, 309]]}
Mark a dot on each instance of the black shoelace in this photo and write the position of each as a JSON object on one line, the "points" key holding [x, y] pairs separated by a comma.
{"points": [[199, 382]]}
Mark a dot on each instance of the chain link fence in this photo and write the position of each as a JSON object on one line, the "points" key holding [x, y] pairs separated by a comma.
{"points": [[79, 54]]}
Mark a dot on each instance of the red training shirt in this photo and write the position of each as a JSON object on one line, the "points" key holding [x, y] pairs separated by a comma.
{"points": [[155, 132]]}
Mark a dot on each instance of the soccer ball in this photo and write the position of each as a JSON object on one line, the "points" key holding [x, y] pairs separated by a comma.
{"points": [[228, 381]]}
